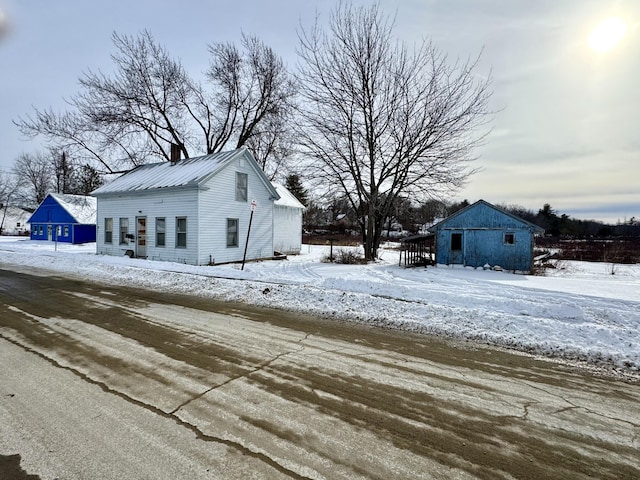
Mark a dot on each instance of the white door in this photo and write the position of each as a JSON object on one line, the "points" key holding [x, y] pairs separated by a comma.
{"points": [[141, 237]]}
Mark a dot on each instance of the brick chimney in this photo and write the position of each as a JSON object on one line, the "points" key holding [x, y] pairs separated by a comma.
{"points": [[175, 153]]}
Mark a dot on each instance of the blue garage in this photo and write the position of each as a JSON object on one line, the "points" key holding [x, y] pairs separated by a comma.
{"points": [[482, 234], [64, 218]]}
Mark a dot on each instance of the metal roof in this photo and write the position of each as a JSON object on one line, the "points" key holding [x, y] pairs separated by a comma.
{"points": [[287, 199], [188, 172], [80, 207], [531, 226]]}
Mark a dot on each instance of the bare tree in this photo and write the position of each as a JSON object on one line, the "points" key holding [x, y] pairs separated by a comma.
{"points": [[34, 176], [134, 115], [129, 116], [380, 119], [272, 145], [8, 194], [254, 101]]}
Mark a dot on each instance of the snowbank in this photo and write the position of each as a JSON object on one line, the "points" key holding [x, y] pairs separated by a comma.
{"points": [[580, 312]]}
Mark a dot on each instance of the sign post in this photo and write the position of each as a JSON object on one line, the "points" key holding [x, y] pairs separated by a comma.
{"points": [[254, 204]]}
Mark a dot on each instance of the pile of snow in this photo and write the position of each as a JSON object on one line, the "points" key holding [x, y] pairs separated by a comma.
{"points": [[580, 312]]}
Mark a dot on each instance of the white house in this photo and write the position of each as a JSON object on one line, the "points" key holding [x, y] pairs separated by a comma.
{"points": [[287, 222], [194, 211], [13, 221]]}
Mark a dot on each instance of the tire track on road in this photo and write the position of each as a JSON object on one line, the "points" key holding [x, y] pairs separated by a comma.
{"points": [[151, 408]]}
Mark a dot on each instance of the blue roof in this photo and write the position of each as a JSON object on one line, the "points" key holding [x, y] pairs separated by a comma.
{"points": [[451, 220]]}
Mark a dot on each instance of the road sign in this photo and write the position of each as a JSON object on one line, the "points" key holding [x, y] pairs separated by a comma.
{"points": [[254, 204]]}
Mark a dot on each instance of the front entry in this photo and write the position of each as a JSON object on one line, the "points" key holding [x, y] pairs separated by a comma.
{"points": [[141, 237], [457, 247]]}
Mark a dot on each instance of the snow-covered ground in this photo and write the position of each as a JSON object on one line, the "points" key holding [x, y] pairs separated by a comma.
{"points": [[580, 311]]}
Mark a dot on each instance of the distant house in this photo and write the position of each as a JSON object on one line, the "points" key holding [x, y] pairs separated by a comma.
{"points": [[64, 218], [482, 234], [287, 221], [194, 211], [13, 221]]}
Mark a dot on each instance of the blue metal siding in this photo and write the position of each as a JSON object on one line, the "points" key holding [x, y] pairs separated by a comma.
{"points": [[63, 227], [35, 231], [51, 214], [483, 216], [84, 233], [51, 211], [483, 230], [75, 233]]}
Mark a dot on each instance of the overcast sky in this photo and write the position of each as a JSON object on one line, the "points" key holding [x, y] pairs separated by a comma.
{"points": [[566, 131]]}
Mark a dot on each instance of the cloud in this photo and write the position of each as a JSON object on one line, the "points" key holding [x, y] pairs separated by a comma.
{"points": [[566, 121]]}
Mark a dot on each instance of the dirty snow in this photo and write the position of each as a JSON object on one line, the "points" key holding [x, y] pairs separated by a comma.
{"points": [[583, 311]]}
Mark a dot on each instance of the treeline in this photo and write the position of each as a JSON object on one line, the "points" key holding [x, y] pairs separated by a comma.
{"points": [[564, 226], [407, 218], [34, 176]]}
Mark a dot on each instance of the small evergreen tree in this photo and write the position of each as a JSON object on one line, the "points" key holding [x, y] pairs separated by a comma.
{"points": [[294, 185], [86, 180]]}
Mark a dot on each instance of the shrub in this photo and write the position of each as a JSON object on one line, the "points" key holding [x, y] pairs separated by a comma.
{"points": [[345, 256]]}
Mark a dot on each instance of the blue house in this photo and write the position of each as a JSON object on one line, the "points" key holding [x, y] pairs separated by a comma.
{"points": [[482, 234], [64, 218]]}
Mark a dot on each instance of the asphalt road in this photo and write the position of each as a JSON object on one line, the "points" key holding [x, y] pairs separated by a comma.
{"points": [[104, 383]]}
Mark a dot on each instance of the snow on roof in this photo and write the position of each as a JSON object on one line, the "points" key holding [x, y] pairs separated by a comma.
{"points": [[182, 173], [287, 199], [82, 208]]}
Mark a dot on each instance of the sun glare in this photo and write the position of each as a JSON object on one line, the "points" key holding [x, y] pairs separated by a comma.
{"points": [[3, 22], [607, 34]]}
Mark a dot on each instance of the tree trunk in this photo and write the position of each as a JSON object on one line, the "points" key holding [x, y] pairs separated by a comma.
{"points": [[370, 249]]}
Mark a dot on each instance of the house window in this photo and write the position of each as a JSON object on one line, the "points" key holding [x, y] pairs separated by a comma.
{"points": [[181, 232], [509, 238], [456, 241], [66, 230], [160, 231], [232, 232], [40, 230], [58, 230], [108, 230], [242, 180], [124, 230]]}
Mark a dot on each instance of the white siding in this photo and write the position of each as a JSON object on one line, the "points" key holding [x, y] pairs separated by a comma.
{"points": [[287, 229], [218, 202], [168, 204], [206, 205]]}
